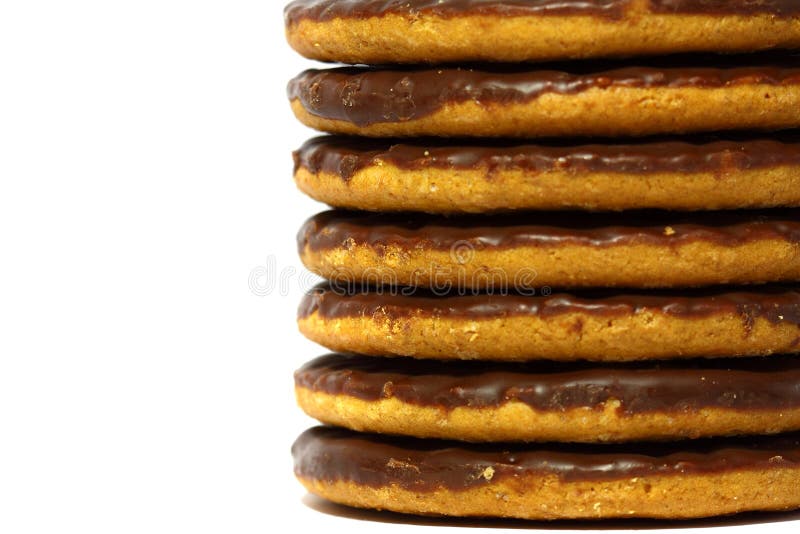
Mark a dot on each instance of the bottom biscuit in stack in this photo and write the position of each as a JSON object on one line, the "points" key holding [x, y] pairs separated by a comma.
{"points": [[676, 481]]}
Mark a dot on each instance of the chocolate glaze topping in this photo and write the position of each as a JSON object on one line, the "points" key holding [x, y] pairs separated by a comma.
{"points": [[781, 8], [332, 454], [779, 305], [335, 229], [322, 10], [344, 156], [365, 96], [666, 387]]}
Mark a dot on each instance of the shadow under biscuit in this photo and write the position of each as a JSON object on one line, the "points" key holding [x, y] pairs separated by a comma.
{"points": [[748, 518]]}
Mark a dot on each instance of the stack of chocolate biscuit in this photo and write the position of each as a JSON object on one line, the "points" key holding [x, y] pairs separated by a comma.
{"points": [[561, 284]]}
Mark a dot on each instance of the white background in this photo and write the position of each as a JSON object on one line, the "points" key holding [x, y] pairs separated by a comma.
{"points": [[145, 173]]}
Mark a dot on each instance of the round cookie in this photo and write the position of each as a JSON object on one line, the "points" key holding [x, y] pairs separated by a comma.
{"points": [[598, 327], [560, 249], [546, 401], [443, 177], [442, 31], [667, 96], [675, 481]]}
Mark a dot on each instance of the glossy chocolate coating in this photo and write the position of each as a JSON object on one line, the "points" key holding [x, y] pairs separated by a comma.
{"points": [[777, 304], [365, 96], [779, 8], [333, 454], [746, 384], [323, 10], [345, 156], [334, 229]]}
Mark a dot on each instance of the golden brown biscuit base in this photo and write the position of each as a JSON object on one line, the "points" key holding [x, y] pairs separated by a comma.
{"points": [[427, 38], [548, 498], [604, 327], [564, 249], [564, 266], [387, 187], [565, 337], [517, 421], [614, 111], [705, 173]]}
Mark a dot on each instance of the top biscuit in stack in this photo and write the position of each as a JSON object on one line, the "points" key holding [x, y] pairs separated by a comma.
{"points": [[443, 31]]}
